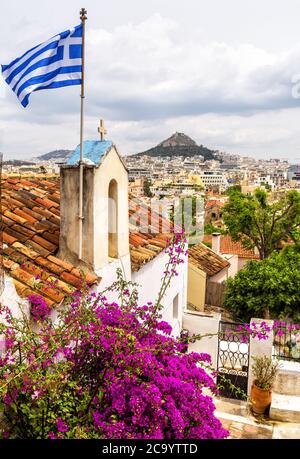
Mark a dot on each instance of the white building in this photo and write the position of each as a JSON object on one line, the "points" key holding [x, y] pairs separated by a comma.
{"points": [[214, 179]]}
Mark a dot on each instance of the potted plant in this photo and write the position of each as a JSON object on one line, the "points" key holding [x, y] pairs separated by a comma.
{"points": [[264, 370]]}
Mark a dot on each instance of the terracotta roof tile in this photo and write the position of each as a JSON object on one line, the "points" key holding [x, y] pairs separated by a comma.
{"points": [[22, 229], [25, 215], [55, 220], [91, 278], [67, 288], [18, 236], [14, 255], [213, 202], [33, 214], [25, 250], [206, 259], [9, 264], [71, 279], [76, 272], [47, 203], [44, 243], [7, 239], [7, 221], [23, 276], [228, 246], [35, 270], [38, 248], [53, 293], [63, 264], [24, 291], [52, 267], [43, 212], [55, 211], [15, 217], [52, 237]]}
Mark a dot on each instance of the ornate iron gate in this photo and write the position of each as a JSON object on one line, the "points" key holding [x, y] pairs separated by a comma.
{"points": [[233, 361]]}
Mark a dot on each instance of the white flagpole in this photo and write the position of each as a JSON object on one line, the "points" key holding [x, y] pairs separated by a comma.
{"points": [[83, 17]]}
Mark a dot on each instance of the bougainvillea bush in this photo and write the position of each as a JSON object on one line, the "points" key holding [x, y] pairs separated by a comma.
{"points": [[104, 370]]}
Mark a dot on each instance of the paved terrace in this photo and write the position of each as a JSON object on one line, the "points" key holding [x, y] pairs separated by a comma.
{"points": [[236, 417]]}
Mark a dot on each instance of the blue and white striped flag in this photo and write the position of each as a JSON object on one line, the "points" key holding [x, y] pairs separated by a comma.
{"points": [[53, 64]]}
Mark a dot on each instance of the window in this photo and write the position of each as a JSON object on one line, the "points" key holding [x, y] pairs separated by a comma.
{"points": [[113, 219], [175, 306]]}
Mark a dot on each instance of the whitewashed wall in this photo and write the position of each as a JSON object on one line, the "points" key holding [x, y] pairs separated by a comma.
{"points": [[200, 323], [149, 278], [11, 299]]}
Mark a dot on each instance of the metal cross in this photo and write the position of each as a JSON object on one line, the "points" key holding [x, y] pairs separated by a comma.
{"points": [[102, 131], [83, 14]]}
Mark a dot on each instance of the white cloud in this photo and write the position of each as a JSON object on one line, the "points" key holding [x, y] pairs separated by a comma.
{"points": [[153, 77]]}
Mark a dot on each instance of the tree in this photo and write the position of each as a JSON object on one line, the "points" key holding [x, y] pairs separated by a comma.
{"points": [[146, 188], [270, 287], [209, 229], [232, 188], [260, 223]]}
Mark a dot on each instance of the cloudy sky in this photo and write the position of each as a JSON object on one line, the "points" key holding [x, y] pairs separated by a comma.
{"points": [[227, 73]]}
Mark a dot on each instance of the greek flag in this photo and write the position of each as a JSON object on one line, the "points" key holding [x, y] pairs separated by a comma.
{"points": [[53, 64]]}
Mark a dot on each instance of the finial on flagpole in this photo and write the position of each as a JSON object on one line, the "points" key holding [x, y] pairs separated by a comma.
{"points": [[83, 14]]}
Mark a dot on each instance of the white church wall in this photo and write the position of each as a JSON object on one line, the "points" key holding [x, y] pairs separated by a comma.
{"points": [[149, 279], [110, 169], [108, 273], [11, 299]]}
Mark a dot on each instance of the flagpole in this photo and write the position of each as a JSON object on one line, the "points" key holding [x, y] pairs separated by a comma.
{"points": [[83, 17]]}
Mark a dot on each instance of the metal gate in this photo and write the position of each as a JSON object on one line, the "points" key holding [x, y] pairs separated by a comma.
{"points": [[233, 361]]}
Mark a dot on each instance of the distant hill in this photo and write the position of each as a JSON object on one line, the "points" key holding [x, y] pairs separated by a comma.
{"points": [[179, 144], [56, 155], [17, 163]]}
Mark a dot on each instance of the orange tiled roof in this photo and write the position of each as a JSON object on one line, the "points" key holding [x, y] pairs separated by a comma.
{"points": [[31, 226], [149, 233], [30, 219], [206, 259], [213, 202], [231, 247]]}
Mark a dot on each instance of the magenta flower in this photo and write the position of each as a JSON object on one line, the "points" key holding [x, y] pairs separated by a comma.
{"points": [[39, 308], [61, 425]]}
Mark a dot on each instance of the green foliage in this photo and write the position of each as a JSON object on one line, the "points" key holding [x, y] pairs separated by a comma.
{"points": [[233, 188], [259, 223], [270, 285], [209, 229], [264, 371], [146, 188]]}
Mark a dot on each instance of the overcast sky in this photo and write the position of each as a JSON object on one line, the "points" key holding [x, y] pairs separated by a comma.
{"points": [[224, 72]]}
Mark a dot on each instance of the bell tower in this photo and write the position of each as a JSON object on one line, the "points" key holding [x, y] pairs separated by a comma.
{"points": [[105, 223]]}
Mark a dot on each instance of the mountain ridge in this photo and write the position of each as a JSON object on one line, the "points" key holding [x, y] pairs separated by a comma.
{"points": [[55, 154], [179, 144]]}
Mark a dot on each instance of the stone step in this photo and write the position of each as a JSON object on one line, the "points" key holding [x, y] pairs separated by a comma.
{"points": [[285, 407], [287, 381], [231, 406]]}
